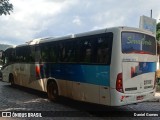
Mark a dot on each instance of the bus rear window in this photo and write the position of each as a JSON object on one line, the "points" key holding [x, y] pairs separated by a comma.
{"points": [[138, 43]]}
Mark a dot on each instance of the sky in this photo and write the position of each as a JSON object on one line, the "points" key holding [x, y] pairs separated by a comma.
{"points": [[33, 19]]}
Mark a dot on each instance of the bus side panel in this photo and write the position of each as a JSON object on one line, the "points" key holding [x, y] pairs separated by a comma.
{"points": [[105, 95], [62, 85], [17, 74], [86, 92], [35, 81], [25, 75], [69, 90], [65, 88], [5, 73], [85, 82], [115, 68]]}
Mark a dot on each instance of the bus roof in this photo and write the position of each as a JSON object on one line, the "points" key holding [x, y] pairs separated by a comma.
{"points": [[73, 35], [50, 39]]}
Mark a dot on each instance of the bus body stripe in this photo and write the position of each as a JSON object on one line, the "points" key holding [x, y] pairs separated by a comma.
{"points": [[93, 74]]}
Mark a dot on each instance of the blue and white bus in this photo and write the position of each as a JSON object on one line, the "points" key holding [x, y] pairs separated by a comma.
{"points": [[114, 66]]}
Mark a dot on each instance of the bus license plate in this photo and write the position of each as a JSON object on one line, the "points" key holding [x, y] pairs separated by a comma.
{"points": [[139, 97], [146, 82]]}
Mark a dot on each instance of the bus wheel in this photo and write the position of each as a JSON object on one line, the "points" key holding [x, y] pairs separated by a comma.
{"points": [[11, 79], [52, 91]]}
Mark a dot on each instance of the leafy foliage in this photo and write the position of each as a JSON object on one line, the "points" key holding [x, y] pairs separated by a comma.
{"points": [[158, 31], [5, 7]]}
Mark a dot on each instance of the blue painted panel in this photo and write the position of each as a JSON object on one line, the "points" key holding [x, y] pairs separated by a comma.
{"points": [[143, 67], [93, 74], [146, 67]]}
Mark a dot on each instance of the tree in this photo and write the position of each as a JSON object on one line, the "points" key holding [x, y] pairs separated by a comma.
{"points": [[158, 32], [5, 7]]}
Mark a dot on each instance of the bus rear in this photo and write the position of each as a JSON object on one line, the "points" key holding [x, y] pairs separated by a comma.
{"points": [[136, 81]]}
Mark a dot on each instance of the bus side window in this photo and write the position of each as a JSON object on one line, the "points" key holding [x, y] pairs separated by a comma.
{"points": [[22, 54], [61, 51], [27, 54], [102, 51], [37, 54], [44, 54], [86, 51], [18, 55], [104, 48], [32, 54], [87, 55], [52, 54], [70, 52]]}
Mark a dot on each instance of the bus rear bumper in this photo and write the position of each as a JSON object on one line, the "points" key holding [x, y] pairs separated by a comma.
{"points": [[124, 99]]}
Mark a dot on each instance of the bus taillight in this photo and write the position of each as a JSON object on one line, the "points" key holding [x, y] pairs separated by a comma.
{"points": [[119, 83]]}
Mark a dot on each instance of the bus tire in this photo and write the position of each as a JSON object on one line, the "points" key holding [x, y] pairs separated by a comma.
{"points": [[11, 79], [52, 91]]}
